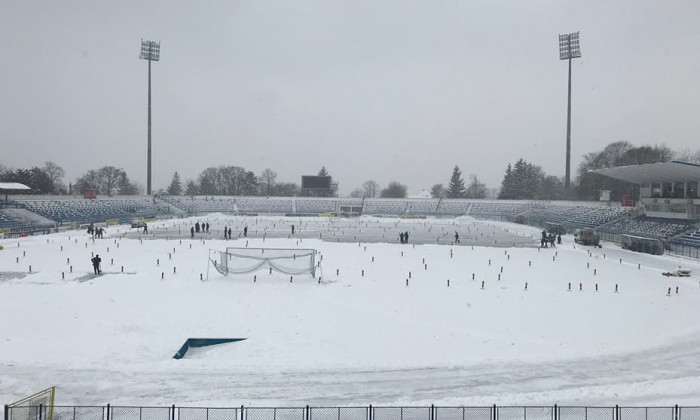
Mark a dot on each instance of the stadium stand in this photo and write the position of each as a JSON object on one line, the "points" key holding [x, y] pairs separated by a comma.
{"points": [[498, 209], [648, 227], [7, 222], [424, 206], [203, 204], [315, 205], [608, 219], [453, 207], [689, 239], [271, 205], [575, 216], [384, 206], [99, 210]]}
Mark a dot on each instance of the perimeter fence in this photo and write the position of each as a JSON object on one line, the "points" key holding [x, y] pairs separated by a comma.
{"points": [[370, 412]]}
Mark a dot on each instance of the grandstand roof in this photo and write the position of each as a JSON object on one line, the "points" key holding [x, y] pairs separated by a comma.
{"points": [[13, 186], [673, 171]]}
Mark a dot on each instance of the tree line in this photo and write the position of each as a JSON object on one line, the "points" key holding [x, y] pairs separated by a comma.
{"points": [[522, 180]]}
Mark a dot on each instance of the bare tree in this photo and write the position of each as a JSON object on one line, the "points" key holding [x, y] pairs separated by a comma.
{"points": [[370, 189], [55, 174], [356, 193], [109, 179], [476, 188], [438, 191], [268, 178], [686, 155]]}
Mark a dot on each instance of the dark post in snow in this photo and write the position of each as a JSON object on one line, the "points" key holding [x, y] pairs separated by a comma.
{"points": [[150, 50], [569, 48]]}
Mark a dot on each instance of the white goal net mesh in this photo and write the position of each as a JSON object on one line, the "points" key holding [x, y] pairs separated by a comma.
{"points": [[248, 260], [36, 407]]}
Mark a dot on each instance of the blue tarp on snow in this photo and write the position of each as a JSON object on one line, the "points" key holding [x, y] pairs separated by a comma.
{"points": [[202, 342]]}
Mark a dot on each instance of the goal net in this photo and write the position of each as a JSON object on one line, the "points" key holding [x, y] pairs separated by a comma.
{"points": [[36, 407], [248, 260]]}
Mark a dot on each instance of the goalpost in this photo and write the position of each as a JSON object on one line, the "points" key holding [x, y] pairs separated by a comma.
{"points": [[36, 407], [291, 261]]}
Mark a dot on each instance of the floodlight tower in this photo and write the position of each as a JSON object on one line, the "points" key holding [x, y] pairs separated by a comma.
{"points": [[569, 48], [150, 50]]}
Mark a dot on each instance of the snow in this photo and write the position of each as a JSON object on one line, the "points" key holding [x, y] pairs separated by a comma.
{"points": [[350, 339]]}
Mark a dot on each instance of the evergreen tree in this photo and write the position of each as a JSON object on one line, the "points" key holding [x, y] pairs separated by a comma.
{"points": [[507, 185], [456, 189], [323, 171], [175, 187], [522, 181], [191, 188]]}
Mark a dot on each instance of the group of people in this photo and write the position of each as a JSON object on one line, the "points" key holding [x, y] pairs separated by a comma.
{"points": [[227, 232], [549, 239], [204, 228], [95, 232], [403, 237]]}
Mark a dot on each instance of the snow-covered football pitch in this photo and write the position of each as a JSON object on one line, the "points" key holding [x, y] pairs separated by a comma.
{"points": [[491, 320]]}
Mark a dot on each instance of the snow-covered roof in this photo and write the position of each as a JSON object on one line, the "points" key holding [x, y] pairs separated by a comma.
{"points": [[673, 171], [13, 186]]}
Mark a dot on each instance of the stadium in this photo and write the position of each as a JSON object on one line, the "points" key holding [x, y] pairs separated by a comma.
{"points": [[177, 270], [337, 318]]}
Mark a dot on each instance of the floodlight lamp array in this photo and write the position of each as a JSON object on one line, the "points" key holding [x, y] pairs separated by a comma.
{"points": [[569, 46], [150, 50]]}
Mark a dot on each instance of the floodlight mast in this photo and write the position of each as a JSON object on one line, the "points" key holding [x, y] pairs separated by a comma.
{"points": [[569, 48], [150, 50]]}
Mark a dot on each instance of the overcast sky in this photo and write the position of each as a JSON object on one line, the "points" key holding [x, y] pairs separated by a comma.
{"points": [[372, 89]]}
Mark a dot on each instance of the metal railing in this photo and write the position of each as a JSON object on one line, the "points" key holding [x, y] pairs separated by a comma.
{"points": [[369, 412]]}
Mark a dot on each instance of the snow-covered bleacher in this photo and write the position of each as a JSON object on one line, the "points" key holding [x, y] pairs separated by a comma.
{"points": [[99, 210], [7, 222], [453, 207], [423, 206], [498, 209], [690, 239], [203, 204], [269, 205], [575, 215], [398, 207], [648, 227], [384, 206], [316, 205]]}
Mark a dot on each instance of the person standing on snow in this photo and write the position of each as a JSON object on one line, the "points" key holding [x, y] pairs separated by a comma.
{"points": [[96, 260]]}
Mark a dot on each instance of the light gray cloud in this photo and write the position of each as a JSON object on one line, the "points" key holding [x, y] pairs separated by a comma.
{"points": [[391, 90]]}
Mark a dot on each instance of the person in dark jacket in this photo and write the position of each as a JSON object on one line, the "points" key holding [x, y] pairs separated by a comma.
{"points": [[245, 231], [96, 260], [191, 232]]}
